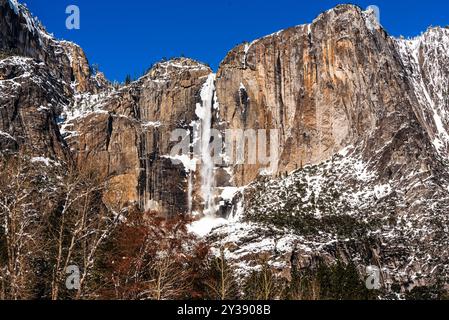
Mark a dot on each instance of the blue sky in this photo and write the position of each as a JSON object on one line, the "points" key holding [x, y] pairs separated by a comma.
{"points": [[125, 37]]}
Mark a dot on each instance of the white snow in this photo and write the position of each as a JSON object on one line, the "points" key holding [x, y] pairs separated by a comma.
{"points": [[188, 163], [247, 47], [204, 226], [371, 18], [84, 105], [7, 135], [48, 162], [14, 6], [151, 124], [43, 109], [382, 191], [439, 124], [174, 64], [246, 50], [228, 193], [425, 58], [190, 191]]}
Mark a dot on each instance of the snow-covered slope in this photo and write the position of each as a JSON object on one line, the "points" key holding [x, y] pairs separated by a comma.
{"points": [[32, 23], [42, 81], [340, 210], [426, 61], [381, 201]]}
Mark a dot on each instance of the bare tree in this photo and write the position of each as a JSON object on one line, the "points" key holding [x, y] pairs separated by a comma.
{"points": [[220, 283], [263, 284], [166, 281], [84, 224], [154, 258], [52, 218], [20, 226]]}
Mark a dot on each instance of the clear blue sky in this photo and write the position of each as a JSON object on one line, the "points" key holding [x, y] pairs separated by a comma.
{"points": [[125, 37]]}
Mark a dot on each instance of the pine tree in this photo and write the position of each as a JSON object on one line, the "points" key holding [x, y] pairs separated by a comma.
{"points": [[128, 79]]}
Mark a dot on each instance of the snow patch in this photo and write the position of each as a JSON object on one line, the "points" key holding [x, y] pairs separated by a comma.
{"points": [[14, 6], [382, 191], [371, 17], [228, 193], [7, 135], [188, 163], [43, 109], [48, 162], [151, 124], [205, 226], [425, 58]]}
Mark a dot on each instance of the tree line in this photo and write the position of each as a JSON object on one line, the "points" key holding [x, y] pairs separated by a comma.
{"points": [[53, 217]]}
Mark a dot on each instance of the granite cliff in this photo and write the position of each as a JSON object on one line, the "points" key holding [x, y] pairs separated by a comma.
{"points": [[363, 138]]}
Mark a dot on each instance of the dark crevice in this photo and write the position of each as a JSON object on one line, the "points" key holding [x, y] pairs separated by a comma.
{"points": [[278, 77], [109, 131]]}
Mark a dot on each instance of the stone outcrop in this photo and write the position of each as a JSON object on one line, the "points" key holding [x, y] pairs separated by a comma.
{"points": [[426, 62], [325, 86], [29, 102], [129, 140], [363, 118], [39, 76]]}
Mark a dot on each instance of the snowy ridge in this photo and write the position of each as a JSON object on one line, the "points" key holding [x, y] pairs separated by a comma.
{"points": [[32, 23], [26, 68], [340, 206], [426, 59], [163, 71]]}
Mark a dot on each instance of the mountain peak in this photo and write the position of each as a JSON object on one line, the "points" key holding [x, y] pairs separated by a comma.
{"points": [[166, 69], [14, 4], [26, 18]]}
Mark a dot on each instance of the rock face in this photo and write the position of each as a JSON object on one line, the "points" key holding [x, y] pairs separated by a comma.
{"points": [[29, 100], [325, 86], [341, 83], [39, 77], [23, 35], [426, 62], [130, 138], [362, 118]]}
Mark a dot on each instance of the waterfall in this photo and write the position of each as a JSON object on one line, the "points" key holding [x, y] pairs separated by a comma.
{"points": [[204, 112], [202, 141], [190, 192]]}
